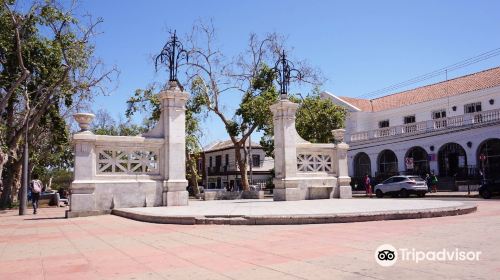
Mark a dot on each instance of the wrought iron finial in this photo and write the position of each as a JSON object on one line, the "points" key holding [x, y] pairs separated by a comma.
{"points": [[171, 54], [284, 68]]}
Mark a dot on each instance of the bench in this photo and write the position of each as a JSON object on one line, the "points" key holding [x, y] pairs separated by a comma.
{"points": [[60, 202]]}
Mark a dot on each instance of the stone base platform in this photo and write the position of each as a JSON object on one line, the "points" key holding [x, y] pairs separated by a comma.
{"points": [[268, 212]]}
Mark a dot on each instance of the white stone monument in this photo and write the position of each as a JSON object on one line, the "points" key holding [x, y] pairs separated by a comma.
{"points": [[132, 171], [135, 171], [304, 170], [286, 183], [172, 127]]}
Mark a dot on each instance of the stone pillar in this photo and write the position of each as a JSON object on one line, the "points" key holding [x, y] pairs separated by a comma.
{"points": [[82, 188], [83, 201], [285, 151], [173, 101], [343, 179]]}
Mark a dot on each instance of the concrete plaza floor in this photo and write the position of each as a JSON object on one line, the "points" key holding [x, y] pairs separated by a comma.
{"points": [[267, 211], [47, 246]]}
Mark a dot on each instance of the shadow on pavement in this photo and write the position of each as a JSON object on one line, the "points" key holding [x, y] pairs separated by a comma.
{"points": [[45, 218]]}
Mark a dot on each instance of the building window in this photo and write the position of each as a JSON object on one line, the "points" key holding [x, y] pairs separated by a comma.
{"points": [[472, 107], [384, 123], [200, 164], [409, 119], [227, 159], [387, 163], [218, 161], [362, 166], [255, 160], [439, 114], [210, 162]]}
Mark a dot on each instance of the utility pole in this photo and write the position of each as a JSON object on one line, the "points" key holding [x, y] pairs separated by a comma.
{"points": [[23, 194]]}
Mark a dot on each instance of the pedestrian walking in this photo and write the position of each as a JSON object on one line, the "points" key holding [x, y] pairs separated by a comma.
{"points": [[368, 185], [428, 182], [36, 187], [434, 182]]}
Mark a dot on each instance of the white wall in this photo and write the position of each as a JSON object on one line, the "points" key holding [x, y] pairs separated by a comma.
{"points": [[401, 145], [369, 120]]}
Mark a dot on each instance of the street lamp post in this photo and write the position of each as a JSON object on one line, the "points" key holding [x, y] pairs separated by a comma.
{"points": [[285, 71], [23, 194], [23, 199]]}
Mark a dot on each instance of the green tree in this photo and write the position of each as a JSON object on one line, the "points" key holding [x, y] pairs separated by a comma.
{"points": [[317, 117], [315, 120], [47, 70], [214, 75]]}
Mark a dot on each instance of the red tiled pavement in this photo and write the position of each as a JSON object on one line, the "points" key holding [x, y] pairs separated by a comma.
{"points": [[47, 246]]}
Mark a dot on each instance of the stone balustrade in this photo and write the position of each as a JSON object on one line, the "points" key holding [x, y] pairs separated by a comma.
{"points": [[305, 170], [315, 159], [479, 118], [132, 171], [115, 171]]}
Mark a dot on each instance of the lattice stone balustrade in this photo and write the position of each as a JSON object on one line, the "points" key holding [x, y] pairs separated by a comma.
{"points": [[132, 171], [305, 170], [127, 161], [314, 163]]}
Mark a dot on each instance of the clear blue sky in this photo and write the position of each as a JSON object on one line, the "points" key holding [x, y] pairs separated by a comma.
{"points": [[360, 46]]}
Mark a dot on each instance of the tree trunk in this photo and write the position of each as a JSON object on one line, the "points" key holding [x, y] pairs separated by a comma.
{"points": [[242, 164], [10, 182], [3, 160], [193, 173]]}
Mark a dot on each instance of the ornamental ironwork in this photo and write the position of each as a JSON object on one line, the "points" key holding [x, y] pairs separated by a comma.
{"points": [[285, 70], [171, 54]]}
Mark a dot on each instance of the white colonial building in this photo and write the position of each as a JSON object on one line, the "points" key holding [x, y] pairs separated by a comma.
{"points": [[451, 128], [221, 170]]}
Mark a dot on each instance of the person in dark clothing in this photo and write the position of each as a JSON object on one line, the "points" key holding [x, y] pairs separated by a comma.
{"points": [[428, 182], [36, 187], [434, 182]]}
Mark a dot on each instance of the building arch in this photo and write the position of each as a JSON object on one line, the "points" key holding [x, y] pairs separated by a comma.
{"points": [[387, 163], [490, 148], [420, 160], [362, 165], [452, 159]]}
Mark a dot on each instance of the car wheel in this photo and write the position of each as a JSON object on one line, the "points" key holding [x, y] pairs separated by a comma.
{"points": [[421, 194], [379, 194], [485, 194], [403, 193]]}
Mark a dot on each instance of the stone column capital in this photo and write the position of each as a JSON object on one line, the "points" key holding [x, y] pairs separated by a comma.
{"points": [[175, 98], [284, 108]]}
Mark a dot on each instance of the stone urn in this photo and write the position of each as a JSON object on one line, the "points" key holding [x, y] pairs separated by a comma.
{"points": [[338, 135], [84, 120]]}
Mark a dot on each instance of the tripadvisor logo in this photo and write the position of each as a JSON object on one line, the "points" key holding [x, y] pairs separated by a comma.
{"points": [[387, 255]]}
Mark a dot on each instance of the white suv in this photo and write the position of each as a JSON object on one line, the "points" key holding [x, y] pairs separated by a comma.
{"points": [[402, 185]]}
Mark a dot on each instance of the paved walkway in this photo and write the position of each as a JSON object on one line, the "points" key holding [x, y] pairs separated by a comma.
{"points": [[47, 246], [267, 211]]}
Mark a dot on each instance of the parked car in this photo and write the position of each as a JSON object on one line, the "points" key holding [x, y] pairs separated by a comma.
{"points": [[403, 186], [489, 188]]}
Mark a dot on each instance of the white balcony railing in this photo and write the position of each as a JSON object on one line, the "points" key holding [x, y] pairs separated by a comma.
{"points": [[478, 118]]}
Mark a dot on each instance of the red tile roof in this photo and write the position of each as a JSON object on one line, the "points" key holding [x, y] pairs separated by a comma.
{"points": [[476, 81]]}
